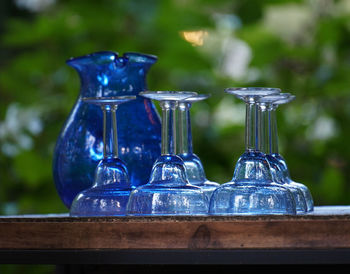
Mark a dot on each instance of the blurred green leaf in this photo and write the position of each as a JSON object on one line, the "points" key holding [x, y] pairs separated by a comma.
{"points": [[310, 60], [32, 168], [332, 185]]}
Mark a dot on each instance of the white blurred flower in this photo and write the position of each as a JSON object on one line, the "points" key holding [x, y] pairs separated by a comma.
{"points": [[10, 208], [227, 22], [301, 113], [322, 129], [236, 56], [289, 21], [231, 56], [202, 118], [342, 7], [228, 113], [35, 5], [319, 125], [17, 129]]}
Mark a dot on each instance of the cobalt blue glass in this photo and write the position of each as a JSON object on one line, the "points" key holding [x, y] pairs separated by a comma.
{"points": [[111, 189], [264, 106], [252, 190], [168, 191], [194, 167], [276, 159], [79, 146]]}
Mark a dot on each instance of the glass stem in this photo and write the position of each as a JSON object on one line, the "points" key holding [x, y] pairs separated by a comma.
{"points": [[273, 131], [168, 127], [250, 127], [185, 135], [110, 138], [263, 128]]}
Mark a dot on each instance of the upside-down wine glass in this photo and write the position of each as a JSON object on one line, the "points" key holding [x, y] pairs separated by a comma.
{"points": [[252, 190], [264, 105], [274, 154], [168, 191], [194, 167], [111, 188]]}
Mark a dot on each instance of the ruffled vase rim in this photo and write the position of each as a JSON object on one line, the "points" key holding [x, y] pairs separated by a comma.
{"points": [[105, 57]]}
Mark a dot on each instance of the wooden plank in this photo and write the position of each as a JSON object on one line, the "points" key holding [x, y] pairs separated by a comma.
{"points": [[326, 228]]}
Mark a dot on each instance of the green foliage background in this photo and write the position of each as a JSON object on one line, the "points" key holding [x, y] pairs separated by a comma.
{"points": [[301, 47]]}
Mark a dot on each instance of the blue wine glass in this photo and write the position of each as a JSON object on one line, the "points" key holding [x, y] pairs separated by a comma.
{"points": [[275, 156], [252, 190], [110, 191], [194, 167], [168, 191], [264, 106]]}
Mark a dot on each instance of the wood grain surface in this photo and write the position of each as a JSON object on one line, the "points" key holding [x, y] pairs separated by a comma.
{"points": [[327, 227]]}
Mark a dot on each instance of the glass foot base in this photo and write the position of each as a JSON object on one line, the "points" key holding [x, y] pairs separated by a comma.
{"points": [[162, 200], [207, 187], [306, 193], [100, 201], [252, 199]]}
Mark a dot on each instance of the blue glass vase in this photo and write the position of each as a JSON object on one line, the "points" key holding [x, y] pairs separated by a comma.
{"points": [[79, 147]]}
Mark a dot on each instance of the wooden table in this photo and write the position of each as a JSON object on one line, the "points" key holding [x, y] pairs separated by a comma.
{"points": [[321, 237]]}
